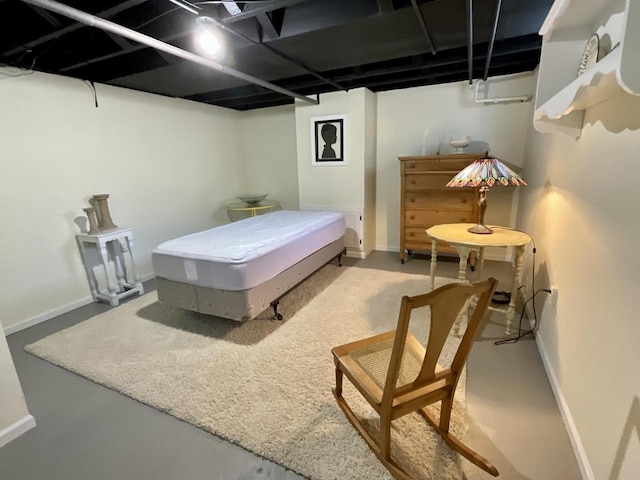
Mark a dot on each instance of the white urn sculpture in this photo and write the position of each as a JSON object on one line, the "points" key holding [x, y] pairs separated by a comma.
{"points": [[459, 143]]}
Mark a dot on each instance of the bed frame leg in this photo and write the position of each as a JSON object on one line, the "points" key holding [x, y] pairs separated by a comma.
{"points": [[275, 310], [343, 252]]}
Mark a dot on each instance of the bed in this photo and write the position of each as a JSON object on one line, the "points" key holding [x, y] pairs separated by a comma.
{"points": [[239, 270]]}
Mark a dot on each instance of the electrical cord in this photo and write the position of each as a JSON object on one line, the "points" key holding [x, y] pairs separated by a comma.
{"points": [[532, 298]]}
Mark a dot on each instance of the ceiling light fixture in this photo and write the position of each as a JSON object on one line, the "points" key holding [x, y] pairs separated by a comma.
{"points": [[208, 39]]}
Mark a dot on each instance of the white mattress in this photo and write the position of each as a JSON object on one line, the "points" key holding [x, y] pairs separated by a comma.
{"points": [[241, 255]]}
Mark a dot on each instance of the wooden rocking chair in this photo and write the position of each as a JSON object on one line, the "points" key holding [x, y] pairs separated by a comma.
{"points": [[397, 376]]}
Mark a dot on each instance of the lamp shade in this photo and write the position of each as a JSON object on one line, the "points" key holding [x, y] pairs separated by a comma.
{"points": [[486, 172]]}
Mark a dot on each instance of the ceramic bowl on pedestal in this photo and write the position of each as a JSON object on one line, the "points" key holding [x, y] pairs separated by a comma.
{"points": [[459, 143], [253, 198]]}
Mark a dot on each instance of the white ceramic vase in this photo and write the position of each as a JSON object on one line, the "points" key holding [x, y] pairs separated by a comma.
{"points": [[459, 143]]}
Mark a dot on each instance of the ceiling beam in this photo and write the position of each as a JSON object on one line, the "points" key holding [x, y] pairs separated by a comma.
{"points": [[385, 6], [71, 28], [268, 28], [106, 25], [118, 40], [526, 52], [423, 26], [47, 16], [277, 53], [252, 10]]}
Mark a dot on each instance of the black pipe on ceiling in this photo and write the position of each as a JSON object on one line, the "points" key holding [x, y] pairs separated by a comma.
{"points": [[493, 39], [470, 39]]}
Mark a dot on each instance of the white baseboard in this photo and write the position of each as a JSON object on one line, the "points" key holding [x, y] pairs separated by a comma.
{"points": [[356, 253], [48, 315], [54, 312], [574, 437], [488, 256], [12, 432]]}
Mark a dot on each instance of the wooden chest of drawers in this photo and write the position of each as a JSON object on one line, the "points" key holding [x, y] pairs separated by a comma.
{"points": [[425, 201]]}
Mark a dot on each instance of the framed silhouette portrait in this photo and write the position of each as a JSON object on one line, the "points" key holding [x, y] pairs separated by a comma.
{"points": [[329, 140]]}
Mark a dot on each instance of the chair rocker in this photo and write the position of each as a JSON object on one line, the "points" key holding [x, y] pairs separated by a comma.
{"points": [[397, 376]]}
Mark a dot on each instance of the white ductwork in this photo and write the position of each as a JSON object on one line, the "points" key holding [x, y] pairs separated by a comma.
{"points": [[522, 98], [93, 21]]}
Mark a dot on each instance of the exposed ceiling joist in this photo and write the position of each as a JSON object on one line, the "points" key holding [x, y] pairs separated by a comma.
{"points": [[251, 10], [385, 6], [268, 28], [423, 26], [47, 16], [71, 28], [307, 47], [92, 20]]}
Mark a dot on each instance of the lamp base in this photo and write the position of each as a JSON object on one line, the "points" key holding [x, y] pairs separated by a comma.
{"points": [[481, 229]]}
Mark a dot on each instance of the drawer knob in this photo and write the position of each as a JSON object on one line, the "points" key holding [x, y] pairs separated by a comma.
{"points": [[412, 217], [464, 200], [462, 219], [412, 200], [413, 182], [412, 165], [411, 234]]}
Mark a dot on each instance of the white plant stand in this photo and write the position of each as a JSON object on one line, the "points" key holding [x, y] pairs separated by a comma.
{"points": [[118, 284]]}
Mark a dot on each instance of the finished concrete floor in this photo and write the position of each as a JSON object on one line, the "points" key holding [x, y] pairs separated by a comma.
{"points": [[88, 432]]}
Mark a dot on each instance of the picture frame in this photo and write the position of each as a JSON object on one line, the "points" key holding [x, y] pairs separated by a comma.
{"points": [[329, 140]]}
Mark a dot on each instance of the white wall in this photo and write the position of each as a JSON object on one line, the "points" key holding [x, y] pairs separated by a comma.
{"points": [[14, 416], [168, 165], [582, 208], [268, 150], [446, 111]]}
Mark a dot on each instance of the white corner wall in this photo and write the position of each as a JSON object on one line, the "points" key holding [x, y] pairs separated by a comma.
{"points": [[582, 208], [268, 151], [167, 164], [441, 112], [14, 415]]}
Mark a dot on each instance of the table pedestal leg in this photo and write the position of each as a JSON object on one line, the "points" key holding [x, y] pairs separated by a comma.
{"points": [[434, 261], [517, 270], [136, 278], [118, 262], [463, 252], [91, 278], [481, 264]]}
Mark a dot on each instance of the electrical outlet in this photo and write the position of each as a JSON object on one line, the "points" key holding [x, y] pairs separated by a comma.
{"points": [[553, 296]]}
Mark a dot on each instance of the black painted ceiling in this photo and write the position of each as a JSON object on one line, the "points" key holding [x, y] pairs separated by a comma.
{"points": [[307, 46]]}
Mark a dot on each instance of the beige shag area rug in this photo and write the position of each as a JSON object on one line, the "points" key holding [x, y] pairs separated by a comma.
{"points": [[265, 385]]}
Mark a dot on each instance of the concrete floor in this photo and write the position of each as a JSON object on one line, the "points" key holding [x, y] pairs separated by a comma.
{"points": [[86, 431]]}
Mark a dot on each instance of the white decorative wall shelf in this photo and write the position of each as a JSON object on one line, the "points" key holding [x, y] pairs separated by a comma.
{"points": [[562, 96]]}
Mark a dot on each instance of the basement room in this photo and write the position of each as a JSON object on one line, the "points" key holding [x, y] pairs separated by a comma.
{"points": [[319, 239]]}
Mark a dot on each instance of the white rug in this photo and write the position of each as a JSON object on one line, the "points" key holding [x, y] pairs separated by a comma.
{"points": [[264, 385]]}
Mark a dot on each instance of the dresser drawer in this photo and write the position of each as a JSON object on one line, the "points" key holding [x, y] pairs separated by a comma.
{"points": [[449, 164], [441, 200], [425, 181], [437, 217], [416, 238]]}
